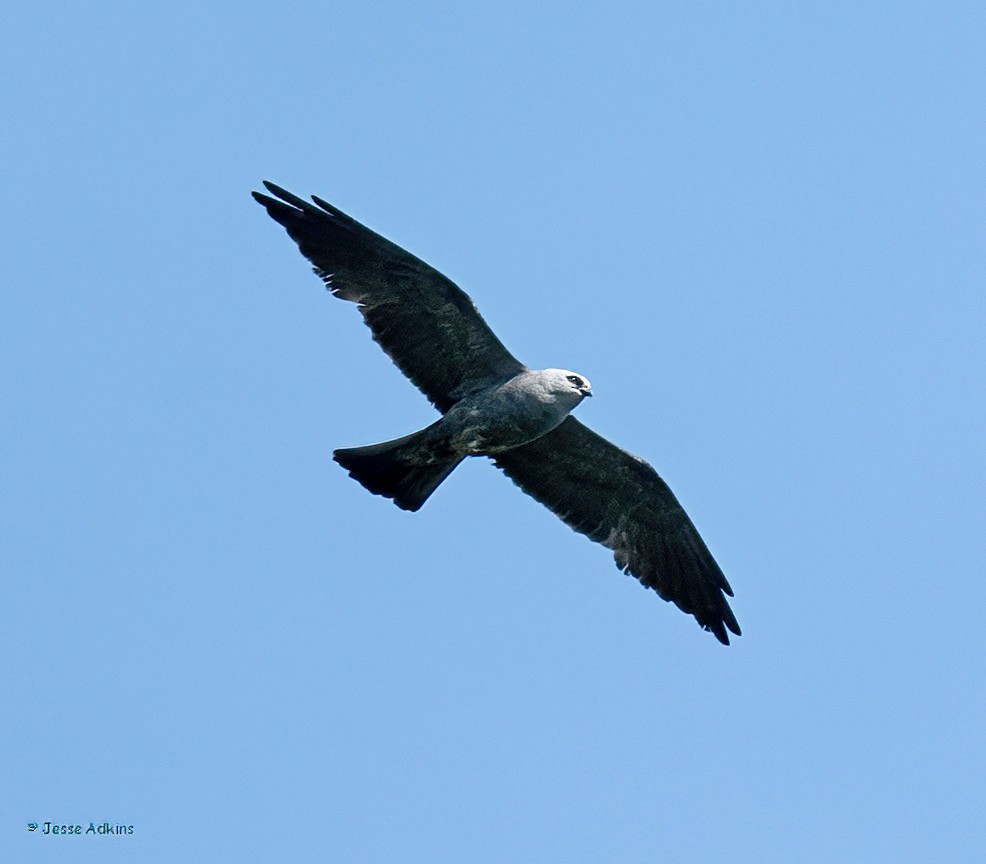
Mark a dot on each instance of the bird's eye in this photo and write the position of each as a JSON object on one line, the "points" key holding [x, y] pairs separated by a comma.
{"points": [[575, 380]]}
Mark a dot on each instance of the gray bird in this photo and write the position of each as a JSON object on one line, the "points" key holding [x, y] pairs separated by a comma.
{"points": [[492, 405]]}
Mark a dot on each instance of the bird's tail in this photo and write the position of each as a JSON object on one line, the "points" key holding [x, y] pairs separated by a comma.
{"points": [[397, 469]]}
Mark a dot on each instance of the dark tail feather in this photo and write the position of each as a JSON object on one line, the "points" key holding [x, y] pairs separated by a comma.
{"points": [[385, 469]]}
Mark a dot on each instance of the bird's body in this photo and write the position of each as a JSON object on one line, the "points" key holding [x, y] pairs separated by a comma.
{"points": [[522, 409], [486, 423], [492, 405]]}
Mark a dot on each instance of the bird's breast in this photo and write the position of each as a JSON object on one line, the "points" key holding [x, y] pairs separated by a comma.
{"points": [[497, 421]]}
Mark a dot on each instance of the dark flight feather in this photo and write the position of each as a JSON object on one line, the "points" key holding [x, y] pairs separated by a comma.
{"points": [[427, 325], [617, 499]]}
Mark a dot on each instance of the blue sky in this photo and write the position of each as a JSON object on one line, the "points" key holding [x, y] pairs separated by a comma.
{"points": [[758, 228]]}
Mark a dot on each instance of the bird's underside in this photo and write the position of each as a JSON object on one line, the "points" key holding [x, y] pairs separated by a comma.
{"points": [[433, 332]]}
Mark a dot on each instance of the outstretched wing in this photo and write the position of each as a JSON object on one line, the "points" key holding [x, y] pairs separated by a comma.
{"points": [[618, 500], [427, 325]]}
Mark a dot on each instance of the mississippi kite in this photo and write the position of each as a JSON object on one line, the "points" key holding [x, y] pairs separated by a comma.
{"points": [[492, 405]]}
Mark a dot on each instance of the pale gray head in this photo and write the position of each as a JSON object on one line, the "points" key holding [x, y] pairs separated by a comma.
{"points": [[563, 382]]}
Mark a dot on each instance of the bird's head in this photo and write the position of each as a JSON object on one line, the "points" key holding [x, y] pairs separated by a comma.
{"points": [[565, 382]]}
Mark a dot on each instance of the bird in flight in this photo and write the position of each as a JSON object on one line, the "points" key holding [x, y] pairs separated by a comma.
{"points": [[493, 405]]}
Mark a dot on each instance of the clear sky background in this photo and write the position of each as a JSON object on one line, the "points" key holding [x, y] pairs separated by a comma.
{"points": [[758, 228]]}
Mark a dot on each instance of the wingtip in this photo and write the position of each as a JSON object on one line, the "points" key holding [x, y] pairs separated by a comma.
{"points": [[283, 199], [326, 206], [722, 622], [729, 619], [274, 189], [288, 197], [719, 632]]}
